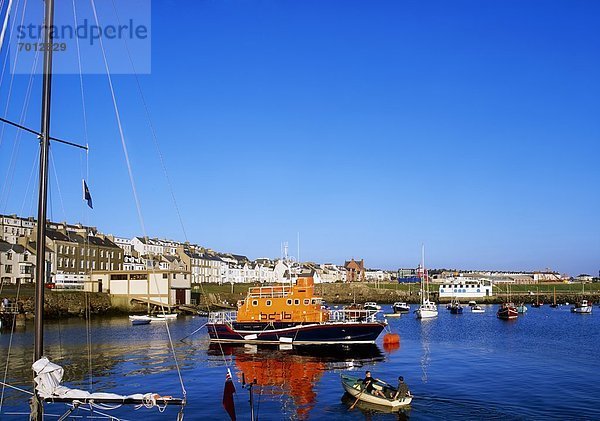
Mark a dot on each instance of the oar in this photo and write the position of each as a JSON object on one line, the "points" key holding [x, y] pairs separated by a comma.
{"points": [[357, 398]]}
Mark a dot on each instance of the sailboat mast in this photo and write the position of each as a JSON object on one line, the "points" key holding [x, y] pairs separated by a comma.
{"points": [[43, 180], [425, 282]]}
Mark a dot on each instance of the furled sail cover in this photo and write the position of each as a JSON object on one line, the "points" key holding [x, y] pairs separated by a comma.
{"points": [[48, 378]]}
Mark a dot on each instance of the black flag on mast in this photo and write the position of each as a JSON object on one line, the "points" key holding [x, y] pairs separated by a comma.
{"points": [[86, 195]]}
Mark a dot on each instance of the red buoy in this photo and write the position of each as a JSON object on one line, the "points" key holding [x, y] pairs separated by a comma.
{"points": [[391, 338]]}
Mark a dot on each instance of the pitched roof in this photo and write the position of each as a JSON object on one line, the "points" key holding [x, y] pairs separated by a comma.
{"points": [[5, 246]]}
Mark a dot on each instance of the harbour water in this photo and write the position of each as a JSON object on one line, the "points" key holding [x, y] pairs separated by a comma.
{"points": [[471, 366]]}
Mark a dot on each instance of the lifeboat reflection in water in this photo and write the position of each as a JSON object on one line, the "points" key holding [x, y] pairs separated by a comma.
{"points": [[294, 373]]}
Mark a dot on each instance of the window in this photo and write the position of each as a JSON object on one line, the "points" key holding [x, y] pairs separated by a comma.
{"points": [[8, 255], [165, 276], [296, 302], [306, 302], [101, 253], [94, 253], [254, 303], [8, 268], [60, 249], [25, 257], [81, 251], [94, 265], [289, 302], [268, 303], [60, 262], [101, 265], [81, 264]]}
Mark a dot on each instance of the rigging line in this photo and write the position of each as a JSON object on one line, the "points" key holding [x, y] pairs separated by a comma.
{"points": [[118, 117], [130, 171], [33, 176], [5, 22], [154, 136], [60, 197], [12, 164], [12, 331], [12, 27], [12, 76], [10, 386], [85, 126]]}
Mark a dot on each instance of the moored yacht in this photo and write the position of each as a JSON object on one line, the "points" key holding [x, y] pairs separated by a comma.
{"points": [[427, 309]]}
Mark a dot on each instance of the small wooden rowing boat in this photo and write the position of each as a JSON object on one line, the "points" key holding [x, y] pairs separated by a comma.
{"points": [[354, 387]]}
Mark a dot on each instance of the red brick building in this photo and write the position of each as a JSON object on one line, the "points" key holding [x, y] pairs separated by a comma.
{"points": [[355, 270]]}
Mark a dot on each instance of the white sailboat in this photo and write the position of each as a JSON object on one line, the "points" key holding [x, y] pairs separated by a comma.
{"points": [[427, 309]]}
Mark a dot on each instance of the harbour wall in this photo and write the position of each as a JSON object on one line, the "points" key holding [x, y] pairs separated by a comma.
{"points": [[78, 303]]}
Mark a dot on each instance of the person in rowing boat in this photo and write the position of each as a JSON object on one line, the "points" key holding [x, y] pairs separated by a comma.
{"points": [[402, 389], [369, 383]]}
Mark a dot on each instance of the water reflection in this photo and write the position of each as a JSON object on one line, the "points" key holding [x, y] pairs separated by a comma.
{"points": [[290, 375], [426, 326]]}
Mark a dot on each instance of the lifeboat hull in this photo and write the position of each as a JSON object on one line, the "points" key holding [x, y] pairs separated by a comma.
{"points": [[298, 334]]}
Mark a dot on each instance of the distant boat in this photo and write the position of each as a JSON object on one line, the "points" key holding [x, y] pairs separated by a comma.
{"points": [[354, 387], [371, 305], [142, 320], [472, 303], [427, 309], [401, 307], [507, 311], [477, 309], [582, 307], [456, 308], [522, 309], [145, 319]]}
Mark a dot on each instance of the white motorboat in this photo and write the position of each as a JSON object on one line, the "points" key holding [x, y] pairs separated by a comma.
{"points": [[477, 309], [372, 305], [401, 307], [582, 307], [354, 387]]}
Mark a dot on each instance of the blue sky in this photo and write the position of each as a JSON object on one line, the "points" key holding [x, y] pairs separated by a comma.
{"points": [[368, 127]]}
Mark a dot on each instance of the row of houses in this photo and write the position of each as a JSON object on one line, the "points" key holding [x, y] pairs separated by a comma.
{"points": [[73, 252]]}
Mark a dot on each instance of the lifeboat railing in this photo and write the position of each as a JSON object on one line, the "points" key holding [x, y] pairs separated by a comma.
{"points": [[269, 292], [222, 317], [352, 315]]}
